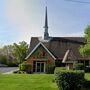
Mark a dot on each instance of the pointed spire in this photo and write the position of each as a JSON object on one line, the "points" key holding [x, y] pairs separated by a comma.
{"points": [[46, 19], [46, 35]]}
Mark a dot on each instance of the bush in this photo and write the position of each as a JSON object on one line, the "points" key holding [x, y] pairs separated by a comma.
{"points": [[69, 79], [50, 69], [60, 68], [22, 66], [25, 67], [79, 66]]}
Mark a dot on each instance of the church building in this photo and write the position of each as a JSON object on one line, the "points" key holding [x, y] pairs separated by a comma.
{"points": [[54, 51]]}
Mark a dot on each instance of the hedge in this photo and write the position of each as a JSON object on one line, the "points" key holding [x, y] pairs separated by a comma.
{"points": [[79, 66], [69, 79]]}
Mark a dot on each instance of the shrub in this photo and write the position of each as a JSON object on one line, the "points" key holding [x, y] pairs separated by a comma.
{"points": [[50, 69], [69, 79], [60, 68], [25, 67], [79, 66], [22, 66]]}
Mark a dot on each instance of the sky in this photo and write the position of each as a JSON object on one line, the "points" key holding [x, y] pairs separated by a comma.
{"points": [[22, 19]]}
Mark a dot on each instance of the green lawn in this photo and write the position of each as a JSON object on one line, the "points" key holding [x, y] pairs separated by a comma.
{"points": [[27, 82], [87, 76]]}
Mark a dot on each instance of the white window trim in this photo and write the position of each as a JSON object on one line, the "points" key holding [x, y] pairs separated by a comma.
{"points": [[40, 43]]}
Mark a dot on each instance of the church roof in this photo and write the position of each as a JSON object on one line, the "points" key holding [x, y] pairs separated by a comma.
{"points": [[59, 45]]}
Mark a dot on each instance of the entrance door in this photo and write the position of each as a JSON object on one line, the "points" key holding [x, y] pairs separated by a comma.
{"points": [[40, 67]]}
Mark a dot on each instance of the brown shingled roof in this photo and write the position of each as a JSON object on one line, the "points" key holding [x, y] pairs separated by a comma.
{"points": [[59, 45]]}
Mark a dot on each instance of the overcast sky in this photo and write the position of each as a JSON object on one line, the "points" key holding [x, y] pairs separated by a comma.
{"points": [[22, 19]]}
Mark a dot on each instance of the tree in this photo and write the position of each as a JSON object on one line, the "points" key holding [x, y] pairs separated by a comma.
{"points": [[12, 55], [6, 54], [85, 49], [20, 51]]}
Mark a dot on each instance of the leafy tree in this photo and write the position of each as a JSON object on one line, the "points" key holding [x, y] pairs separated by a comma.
{"points": [[85, 49], [14, 54], [6, 54], [20, 51]]}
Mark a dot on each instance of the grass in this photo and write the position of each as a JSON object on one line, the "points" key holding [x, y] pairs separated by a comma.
{"points": [[87, 76], [27, 82]]}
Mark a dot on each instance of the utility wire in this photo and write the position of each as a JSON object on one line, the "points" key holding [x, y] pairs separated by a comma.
{"points": [[78, 1]]}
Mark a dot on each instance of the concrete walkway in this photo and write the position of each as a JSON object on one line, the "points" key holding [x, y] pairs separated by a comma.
{"points": [[7, 70]]}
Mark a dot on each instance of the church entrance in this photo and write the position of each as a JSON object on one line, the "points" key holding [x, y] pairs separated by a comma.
{"points": [[39, 66]]}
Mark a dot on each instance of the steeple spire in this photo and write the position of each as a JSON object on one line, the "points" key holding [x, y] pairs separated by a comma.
{"points": [[46, 19], [46, 35]]}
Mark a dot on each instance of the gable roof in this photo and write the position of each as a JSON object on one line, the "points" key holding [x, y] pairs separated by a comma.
{"points": [[40, 43], [69, 57]]}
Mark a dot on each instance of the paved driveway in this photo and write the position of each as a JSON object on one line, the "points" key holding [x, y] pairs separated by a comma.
{"points": [[7, 69]]}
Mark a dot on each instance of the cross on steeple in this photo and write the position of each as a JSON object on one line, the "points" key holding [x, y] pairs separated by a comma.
{"points": [[46, 34]]}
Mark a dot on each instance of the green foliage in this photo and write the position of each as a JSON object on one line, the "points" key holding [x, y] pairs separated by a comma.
{"points": [[69, 79], [85, 49], [20, 51], [79, 66], [60, 68], [12, 55], [50, 69], [3, 59], [25, 67], [22, 66]]}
